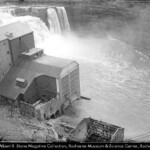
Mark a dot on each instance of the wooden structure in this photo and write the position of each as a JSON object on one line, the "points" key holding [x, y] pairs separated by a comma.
{"points": [[90, 130]]}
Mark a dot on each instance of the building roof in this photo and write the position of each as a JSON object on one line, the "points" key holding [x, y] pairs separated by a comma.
{"points": [[53, 61], [14, 30], [29, 70], [3, 37]]}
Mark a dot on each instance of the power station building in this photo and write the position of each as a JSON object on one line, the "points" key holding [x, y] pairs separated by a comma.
{"points": [[40, 85]]}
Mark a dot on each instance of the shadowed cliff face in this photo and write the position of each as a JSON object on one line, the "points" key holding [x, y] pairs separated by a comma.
{"points": [[94, 20]]}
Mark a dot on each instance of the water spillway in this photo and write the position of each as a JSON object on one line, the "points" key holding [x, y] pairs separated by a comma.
{"points": [[53, 20], [62, 14], [113, 74]]}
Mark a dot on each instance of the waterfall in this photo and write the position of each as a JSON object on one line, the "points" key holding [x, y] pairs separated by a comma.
{"points": [[58, 19], [54, 24], [63, 18]]}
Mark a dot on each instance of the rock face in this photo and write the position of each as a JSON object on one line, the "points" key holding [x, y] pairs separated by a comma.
{"points": [[89, 18]]}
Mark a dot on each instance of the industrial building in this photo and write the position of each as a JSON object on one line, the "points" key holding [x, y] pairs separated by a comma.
{"points": [[94, 131], [40, 85]]}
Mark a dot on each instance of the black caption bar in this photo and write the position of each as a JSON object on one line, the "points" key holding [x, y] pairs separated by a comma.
{"points": [[74, 145]]}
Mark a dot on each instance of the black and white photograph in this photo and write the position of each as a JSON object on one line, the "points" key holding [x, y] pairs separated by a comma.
{"points": [[75, 71]]}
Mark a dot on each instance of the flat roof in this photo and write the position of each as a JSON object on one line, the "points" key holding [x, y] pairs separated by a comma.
{"points": [[17, 29], [53, 61], [32, 51], [26, 70]]}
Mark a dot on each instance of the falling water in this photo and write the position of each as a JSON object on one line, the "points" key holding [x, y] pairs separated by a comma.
{"points": [[58, 20], [54, 24], [63, 19]]}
